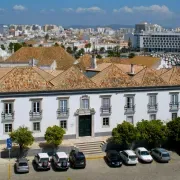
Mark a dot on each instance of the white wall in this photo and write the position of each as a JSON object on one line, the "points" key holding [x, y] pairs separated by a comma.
{"points": [[22, 107]]}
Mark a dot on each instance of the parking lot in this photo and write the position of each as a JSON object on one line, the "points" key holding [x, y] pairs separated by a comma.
{"points": [[98, 169]]}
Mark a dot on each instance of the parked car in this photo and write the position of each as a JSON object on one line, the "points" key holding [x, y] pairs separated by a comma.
{"points": [[113, 158], [60, 161], [21, 165], [161, 155], [129, 157], [143, 155], [77, 159], [42, 161]]}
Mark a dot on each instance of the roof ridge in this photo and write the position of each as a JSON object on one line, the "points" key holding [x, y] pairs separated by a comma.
{"points": [[7, 73]]}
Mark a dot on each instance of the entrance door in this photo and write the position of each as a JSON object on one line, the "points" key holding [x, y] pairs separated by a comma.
{"points": [[84, 126]]}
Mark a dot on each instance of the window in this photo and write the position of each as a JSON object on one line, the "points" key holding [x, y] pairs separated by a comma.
{"points": [[36, 107], [152, 116], [63, 105], [174, 116], [152, 100], [8, 108], [174, 98], [130, 102], [106, 121], [63, 124], [7, 128], [85, 103], [130, 119], [106, 102], [36, 126]]}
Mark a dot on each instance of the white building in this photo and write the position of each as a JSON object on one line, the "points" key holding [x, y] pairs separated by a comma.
{"points": [[158, 41], [34, 98]]}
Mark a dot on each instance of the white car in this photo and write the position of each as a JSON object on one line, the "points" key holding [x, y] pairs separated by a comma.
{"points": [[143, 155], [129, 157]]}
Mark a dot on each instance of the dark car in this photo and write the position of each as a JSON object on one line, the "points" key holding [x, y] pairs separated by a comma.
{"points": [[113, 158], [22, 166], [77, 159]]}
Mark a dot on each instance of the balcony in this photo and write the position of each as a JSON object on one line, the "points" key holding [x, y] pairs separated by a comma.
{"points": [[174, 106], [62, 113], [7, 117], [35, 115], [105, 110], [129, 109], [152, 108]]}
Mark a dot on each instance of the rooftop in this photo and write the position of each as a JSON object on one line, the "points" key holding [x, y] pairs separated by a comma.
{"points": [[44, 55], [43, 155], [62, 155], [130, 152]]}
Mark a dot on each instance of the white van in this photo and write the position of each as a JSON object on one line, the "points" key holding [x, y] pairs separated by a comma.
{"points": [[129, 157]]}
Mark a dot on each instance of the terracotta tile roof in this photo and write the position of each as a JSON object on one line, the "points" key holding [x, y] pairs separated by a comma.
{"points": [[84, 62], [72, 79], [161, 71], [4, 71], [127, 68], [148, 77], [113, 77], [100, 67], [45, 56], [54, 73], [24, 79], [138, 60], [172, 76]]}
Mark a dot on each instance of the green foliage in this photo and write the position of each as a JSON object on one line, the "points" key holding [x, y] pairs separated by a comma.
{"points": [[62, 46], [69, 50], [46, 37], [124, 134], [115, 52], [54, 135], [102, 49], [131, 55], [154, 131], [15, 46], [88, 45], [129, 43], [2, 47], [99, 56], [56, 44], [75, 48], [174, 130], [22, 136]]}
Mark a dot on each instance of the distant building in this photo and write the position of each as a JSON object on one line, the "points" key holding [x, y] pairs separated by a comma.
{"points": [[4, 30]]}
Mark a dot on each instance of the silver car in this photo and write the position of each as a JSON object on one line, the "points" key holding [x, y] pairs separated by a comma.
{"points": [[161, 155], [22, 166]]}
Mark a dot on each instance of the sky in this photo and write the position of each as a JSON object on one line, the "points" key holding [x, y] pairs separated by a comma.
{"points": [[90, 12]]}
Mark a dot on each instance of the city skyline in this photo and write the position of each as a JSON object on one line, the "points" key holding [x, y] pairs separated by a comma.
{"points": [[95, 12]]}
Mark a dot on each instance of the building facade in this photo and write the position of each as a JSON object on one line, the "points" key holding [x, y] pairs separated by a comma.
{"points": [[86, 113]]}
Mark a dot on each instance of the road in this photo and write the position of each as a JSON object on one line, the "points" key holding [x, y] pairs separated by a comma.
{"points": [[98, 170]]}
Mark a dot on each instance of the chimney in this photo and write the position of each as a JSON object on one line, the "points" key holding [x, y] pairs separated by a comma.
{"points": [[132, 73], [93, 62]]}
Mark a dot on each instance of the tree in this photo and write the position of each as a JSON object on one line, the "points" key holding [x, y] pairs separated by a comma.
{"points": [[17, 46], [2, 47], [131, 55], [129, 44], [56, 44], [69, 50], [75, 48], [62, 46], [115, 52], [102, 50], [46, 37], [174, 130], [11, 46], [154, 132], [54, 135], [23, 137], [124, 134], [88, 45], [99, 56]]}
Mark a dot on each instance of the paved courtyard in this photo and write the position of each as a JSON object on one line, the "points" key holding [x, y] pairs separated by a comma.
{"points": [[98, 170]]}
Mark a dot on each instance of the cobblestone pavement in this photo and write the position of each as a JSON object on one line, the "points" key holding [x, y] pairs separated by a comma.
{"points": [[98, 170]]}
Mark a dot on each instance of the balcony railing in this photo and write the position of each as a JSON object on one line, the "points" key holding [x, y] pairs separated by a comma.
{"points": [[152, 108], [35, 115], [174, 106], [129, 109], [105, 110], [61, 113], [7, 116]]}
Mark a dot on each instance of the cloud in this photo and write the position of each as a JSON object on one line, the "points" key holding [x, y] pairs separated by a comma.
{"points": [[19, 8], [45, 11], [152, 9], [93, 9]]}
